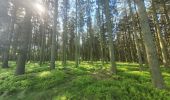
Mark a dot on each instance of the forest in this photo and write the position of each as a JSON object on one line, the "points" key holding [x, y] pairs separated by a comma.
{"points": [[84, 49]]}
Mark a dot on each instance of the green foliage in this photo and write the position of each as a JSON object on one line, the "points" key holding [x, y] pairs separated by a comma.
{"points": [[82, 81], [88, 82]]}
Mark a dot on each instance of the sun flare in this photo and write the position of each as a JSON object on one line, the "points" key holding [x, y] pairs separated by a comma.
{"points": [[39, 8]]}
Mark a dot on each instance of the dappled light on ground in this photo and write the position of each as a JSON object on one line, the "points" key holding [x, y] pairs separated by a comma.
{"points": [[87, 82]]}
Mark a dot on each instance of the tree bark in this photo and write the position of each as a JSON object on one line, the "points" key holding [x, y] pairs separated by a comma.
{"points": [[53, 45], [64, 45], [152, 57], [77, 42], [109, 30], [23, 50]]}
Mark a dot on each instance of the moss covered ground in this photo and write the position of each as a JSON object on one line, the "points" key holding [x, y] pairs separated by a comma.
{"points": [[87, 82]]}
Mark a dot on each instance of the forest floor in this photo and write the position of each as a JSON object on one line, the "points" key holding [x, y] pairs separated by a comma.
{"points": [[87, 82]]}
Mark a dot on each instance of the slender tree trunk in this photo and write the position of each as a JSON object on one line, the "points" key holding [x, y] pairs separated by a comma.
{"points": [[100, 32], [42, 46], [77, 42], [8, 38], [53, 45], [64, 46], [109, 30], [89, 26]]}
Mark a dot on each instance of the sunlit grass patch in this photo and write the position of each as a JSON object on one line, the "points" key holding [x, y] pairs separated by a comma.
{"points": [[123, 69], [166, 74], [44, 74]]}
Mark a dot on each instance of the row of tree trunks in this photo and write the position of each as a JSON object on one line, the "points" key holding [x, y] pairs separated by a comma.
{"points": [[137, 43]]}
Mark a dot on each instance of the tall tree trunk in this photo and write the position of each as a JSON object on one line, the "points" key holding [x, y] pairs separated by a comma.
{"points": [[23, 50], [109, 30], [89, 26], [64, 45], [42, 46], [77, 42], [8, 36], [100, 32], [152, 57], [53, 45]]}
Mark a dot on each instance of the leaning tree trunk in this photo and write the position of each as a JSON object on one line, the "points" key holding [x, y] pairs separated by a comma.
{"points": [[24, 40], [152, 57]]}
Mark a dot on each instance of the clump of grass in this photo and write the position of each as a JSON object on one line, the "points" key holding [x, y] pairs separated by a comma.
{"points": [[82, 81]]}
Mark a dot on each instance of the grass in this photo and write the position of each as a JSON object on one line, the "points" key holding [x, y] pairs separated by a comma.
{"points": [[87, 82]]}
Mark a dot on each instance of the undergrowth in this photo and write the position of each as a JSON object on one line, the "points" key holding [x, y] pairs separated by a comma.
{"points": [[87, 82]]}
